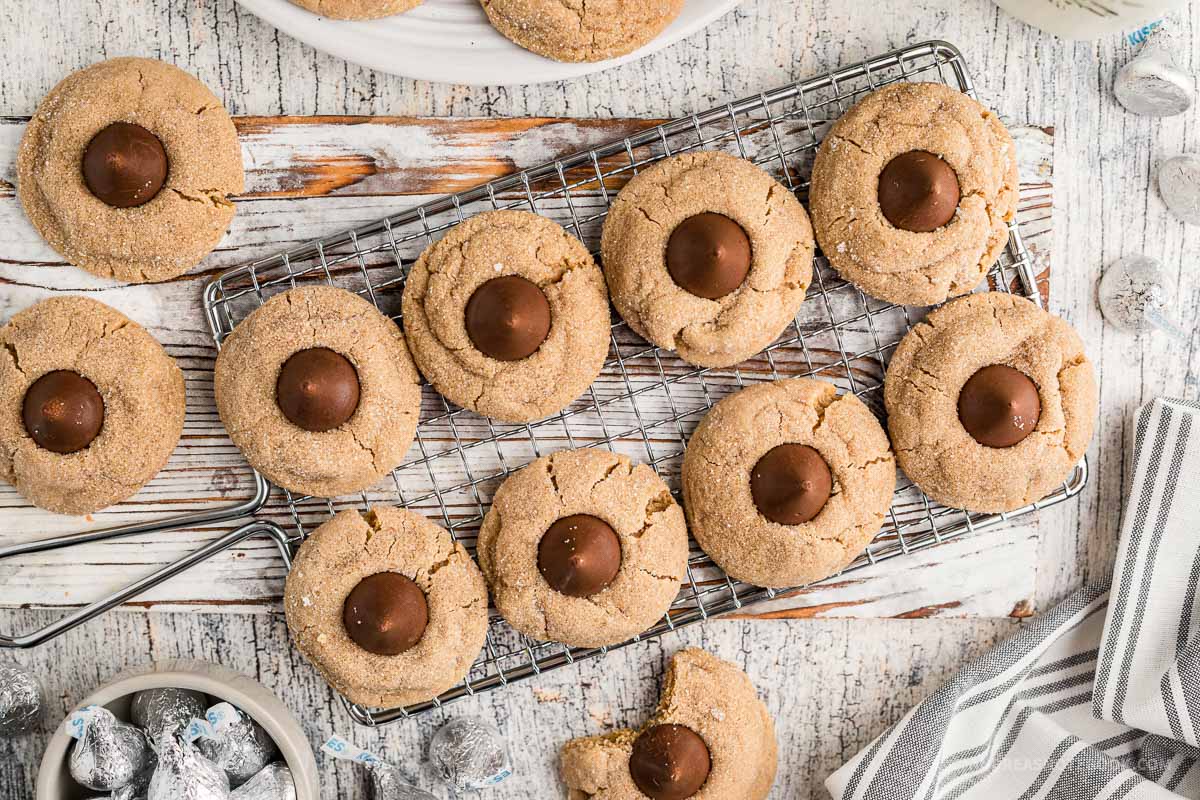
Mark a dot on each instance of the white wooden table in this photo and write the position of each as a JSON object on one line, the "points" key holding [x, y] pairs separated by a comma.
{"points": [[832, 681]]}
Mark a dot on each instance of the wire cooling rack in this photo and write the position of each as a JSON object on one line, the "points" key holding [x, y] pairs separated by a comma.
{"points": [[646, 401]]}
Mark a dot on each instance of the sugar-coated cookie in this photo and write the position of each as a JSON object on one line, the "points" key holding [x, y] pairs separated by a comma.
{"points": [[912, 193], [707, 255], [584, 547], [386, 606], [581, 30], [991, 402], [786, 482], [127, 169], [318, 391], [711, 738], [91, 406], [507, 316], [357, 9]]}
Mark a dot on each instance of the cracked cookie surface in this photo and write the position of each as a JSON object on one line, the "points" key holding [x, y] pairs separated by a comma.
{"points": [[713, 698], [705, 332], [492, 245], [179, 226], [904, 266], [931, 366], [357, 9], [729, 442], [352, 546], [581, 30], [631, 499], [351, 456], [141, 386]]}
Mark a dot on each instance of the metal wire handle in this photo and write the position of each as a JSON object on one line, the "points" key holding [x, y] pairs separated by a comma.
{"points": [[249, 507]]}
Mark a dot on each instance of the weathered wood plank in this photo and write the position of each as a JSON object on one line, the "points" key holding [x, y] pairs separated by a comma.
{"points": [[309, 177], [832, 685]]}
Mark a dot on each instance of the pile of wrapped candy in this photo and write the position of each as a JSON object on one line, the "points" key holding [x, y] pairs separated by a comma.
{"points": [[177, 745]]}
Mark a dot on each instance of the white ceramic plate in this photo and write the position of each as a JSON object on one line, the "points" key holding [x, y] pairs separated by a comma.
{"points": [[450, 41]]}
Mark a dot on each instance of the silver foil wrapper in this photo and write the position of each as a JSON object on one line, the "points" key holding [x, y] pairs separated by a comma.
{"points": [[184, 774], [1179, 187], [388, 783], [241, 747], [1152, 83], [1133, 293], [469, 754], [167, 710], [109, 754], [22, 700], [137, 789], [273, 782]]}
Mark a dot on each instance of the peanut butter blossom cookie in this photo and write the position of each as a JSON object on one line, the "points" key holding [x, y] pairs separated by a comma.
{"points": [[991, 402], [583, 547], [707, 255], [92, 405], [581, 30], [912, 192], [710, 739], [786, 482], [507, 316], [318, 391], [127, 167], [386, 606], [357, 9]]}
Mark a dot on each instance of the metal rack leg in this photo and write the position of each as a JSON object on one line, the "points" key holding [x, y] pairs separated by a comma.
{"points": [[93, 610]]}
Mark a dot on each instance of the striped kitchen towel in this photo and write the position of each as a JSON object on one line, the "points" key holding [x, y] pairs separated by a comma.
{"points": [[1019, 723], [1149, 670]]}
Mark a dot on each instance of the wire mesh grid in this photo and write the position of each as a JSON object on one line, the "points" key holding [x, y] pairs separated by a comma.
{"points": [[646, 400]]}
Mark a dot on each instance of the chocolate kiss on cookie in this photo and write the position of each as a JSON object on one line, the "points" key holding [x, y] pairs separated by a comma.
{"points": [[708, 255], [386, 614], [125, 165], [63, 411], [999, 406], [791, 484], [317, 389], [918, 191], [508, 318], [579, 555], [669, 762]]}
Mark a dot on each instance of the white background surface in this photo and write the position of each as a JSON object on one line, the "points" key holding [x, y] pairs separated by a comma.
{"points": [[833, 683]]}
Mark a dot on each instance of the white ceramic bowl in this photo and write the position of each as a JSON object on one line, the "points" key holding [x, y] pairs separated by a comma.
{"points": [[54, 781]]}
